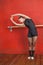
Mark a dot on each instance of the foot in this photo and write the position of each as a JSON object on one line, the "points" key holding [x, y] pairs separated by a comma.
{"points": [[29, 57], [32, 58]]}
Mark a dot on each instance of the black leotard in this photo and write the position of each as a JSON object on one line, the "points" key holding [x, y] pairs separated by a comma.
{"points": [[32, 29]]}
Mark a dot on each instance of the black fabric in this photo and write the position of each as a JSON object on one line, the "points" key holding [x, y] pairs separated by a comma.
{"points": [[31, 26], [31, 53]]}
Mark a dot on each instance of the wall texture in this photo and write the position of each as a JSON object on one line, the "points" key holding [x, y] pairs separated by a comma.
{"points": [[16, 42]]}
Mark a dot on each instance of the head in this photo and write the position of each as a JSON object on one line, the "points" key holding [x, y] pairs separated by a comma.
{"points": [[21, 19]]}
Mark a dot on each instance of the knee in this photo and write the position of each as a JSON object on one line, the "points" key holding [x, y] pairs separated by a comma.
{"points": [[33, 44], [30, 43]]}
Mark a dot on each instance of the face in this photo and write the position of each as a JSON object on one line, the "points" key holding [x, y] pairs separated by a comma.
{"points": [[22, 20]]}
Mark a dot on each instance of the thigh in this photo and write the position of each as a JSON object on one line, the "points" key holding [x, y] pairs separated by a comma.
{"points": [[35, 39], [30, 41]]}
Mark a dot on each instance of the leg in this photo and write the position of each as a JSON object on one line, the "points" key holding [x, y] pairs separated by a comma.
{"points": [[30, 43], [33, 45], [30, 47], [34, 41]]}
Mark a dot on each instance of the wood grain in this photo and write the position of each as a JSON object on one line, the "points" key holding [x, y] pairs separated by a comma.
{"points": [[20, 59]]}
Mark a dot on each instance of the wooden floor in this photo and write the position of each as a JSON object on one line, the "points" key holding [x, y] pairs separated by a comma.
{"points": [[20, 59]]}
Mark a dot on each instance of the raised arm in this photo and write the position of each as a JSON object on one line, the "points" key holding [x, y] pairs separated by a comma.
{"points": [[21, 15], [16, 23], [12, 16]]}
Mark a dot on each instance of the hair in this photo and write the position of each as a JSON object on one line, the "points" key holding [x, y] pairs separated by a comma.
{"points": [[21, 17]]}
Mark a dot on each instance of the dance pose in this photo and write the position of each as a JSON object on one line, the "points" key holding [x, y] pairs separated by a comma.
{"points": [[32, 33]]}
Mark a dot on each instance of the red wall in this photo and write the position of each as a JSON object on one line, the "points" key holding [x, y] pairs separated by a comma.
{"points": [[16, 41]]}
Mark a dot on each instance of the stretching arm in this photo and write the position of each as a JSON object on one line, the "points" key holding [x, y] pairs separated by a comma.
{"points": [[18, 15], [16, 23], [21, 15]]}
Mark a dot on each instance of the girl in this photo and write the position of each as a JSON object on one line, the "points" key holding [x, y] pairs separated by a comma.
{"points": [[32, 33]]}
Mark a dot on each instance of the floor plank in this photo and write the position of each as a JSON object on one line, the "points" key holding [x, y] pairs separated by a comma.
{"points": [[20, 59]]}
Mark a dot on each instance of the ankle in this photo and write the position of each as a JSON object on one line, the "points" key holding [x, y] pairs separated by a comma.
{"points": [[31, 53]]}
